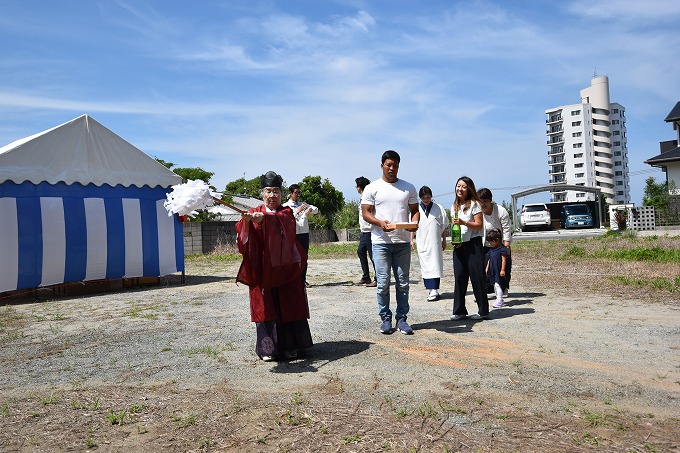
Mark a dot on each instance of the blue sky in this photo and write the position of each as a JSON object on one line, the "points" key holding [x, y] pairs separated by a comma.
{"points": [[311, 87]]}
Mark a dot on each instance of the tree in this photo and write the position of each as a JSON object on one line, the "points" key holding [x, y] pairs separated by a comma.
{"points": [[348, 216], [195, 174], [508, 207], [324, 196], [655, 194], [166, 164], [240, 186]]}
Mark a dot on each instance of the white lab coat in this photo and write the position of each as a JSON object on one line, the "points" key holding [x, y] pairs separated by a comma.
{"points": [[429, 241]]}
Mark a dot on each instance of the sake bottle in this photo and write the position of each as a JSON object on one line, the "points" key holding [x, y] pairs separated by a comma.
{"points": [[456, 237]]}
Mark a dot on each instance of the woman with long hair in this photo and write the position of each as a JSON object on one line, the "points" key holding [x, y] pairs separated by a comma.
{"points": [[468, 256]]}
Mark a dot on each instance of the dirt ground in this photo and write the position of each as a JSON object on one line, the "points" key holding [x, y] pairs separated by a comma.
{"points": [[575, 362]]}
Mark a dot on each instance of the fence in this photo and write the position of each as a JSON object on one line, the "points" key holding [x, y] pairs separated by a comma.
{"points": [[671, 215]]}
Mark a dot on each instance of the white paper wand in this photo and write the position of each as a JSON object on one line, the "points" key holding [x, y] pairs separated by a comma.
{"points": [[187, 198]]}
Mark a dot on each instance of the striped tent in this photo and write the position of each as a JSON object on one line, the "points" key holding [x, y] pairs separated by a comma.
{"points": [[80, 203]]}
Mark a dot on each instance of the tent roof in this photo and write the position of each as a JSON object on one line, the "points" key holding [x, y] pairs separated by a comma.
{"points": [[81, 151]]}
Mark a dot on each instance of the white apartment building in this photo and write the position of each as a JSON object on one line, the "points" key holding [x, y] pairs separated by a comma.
{"points": [[587, 146]]}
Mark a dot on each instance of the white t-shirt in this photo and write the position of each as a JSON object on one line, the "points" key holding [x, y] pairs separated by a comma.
{"points": [[468, 233], [499, 219], [390, 201], [364, 225]]}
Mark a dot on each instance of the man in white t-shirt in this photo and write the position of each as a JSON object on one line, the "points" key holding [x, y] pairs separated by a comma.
{"points": [[387, 204]]}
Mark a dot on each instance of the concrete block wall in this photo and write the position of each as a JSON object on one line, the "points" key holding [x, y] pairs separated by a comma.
{"points": [[193, 239], [641, 218], [204, 237]]}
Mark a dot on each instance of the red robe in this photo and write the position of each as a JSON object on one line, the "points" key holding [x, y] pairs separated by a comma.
{"points": [[272, 258]]}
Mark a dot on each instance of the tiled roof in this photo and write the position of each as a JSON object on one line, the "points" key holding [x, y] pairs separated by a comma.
{"points": [[675, 114], [672, 155]]}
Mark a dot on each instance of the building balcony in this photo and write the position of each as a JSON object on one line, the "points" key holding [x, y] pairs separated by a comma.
{"points": [[554, 119]]}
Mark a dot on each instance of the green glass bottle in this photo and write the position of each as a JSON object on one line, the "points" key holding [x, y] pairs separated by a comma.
{"points": [[456, 237]]}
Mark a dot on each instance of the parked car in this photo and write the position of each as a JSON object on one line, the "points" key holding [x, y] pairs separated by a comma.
{"points": [[535, 215], [576, 216]]}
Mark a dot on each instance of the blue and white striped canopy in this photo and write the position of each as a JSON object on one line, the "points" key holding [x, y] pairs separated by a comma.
{"points": [[78, 203], [55, 233]]}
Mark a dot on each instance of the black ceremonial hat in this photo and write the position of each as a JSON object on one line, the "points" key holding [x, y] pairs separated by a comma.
{"points": [[271, 179]]}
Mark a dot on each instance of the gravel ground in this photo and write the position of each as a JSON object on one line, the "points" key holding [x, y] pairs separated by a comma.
{"points": [[173, 368]]}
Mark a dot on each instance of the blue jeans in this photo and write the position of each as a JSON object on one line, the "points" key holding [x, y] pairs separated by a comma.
{"points": [[390, 258]]}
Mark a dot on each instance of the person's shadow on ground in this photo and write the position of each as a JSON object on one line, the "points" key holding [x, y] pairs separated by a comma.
{"points": [[512, 307], [320, 355]]}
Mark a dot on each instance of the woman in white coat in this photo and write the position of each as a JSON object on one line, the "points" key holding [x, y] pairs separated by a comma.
{"points": [[430, 241]]}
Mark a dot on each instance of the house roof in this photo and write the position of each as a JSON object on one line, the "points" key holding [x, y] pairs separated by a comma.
{"points": [[675, 114], [81, 151], [669, 156], [243, 202]]}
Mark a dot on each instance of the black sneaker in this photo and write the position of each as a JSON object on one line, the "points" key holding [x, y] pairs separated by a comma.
{"points": [[403, 327], [386, 326]]}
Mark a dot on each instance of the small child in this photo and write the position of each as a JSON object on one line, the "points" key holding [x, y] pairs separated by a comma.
{"points": [[497, 257]]}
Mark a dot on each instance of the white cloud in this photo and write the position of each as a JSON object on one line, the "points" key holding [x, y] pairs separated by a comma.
{"points": [[632, 11]]}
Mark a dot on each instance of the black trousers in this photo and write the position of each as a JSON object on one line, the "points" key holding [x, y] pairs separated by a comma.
{"points": [[304, 240], [468, 266], [365, 251]]}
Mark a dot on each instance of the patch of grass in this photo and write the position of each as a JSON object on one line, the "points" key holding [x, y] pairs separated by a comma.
{"points": [[297, 398], [351, 439], [654, 254], [219, 255], [447, 408], [138, 312], [594, 418], [205, 443], [291, 418], [90, 443], [427, 410], [333, 250], [137, 408], [50, 399], [183, 422], [591, 439], [4, 409], [574, 252], [658, 283], [403, 412], [117, 417]]}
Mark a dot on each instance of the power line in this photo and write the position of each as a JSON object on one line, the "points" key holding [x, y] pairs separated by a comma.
{"points": [[632, 173]]}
